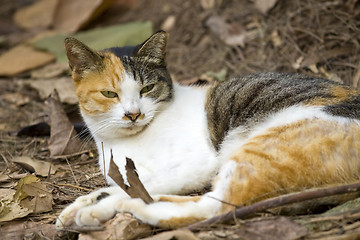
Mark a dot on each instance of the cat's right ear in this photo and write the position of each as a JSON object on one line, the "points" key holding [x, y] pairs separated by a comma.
{"points": [[153, 50], [81, 58]]}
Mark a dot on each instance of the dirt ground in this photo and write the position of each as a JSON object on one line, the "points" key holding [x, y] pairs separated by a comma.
{"points": [[209, 40]]}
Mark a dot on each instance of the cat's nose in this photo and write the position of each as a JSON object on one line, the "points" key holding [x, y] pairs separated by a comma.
{"points": [[132, 116]]}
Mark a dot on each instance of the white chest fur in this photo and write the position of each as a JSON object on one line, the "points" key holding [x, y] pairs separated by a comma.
{"points": [[173, 154]]}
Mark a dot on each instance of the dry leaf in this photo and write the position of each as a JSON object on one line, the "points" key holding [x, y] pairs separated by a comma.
{"points": [[63, 137], [40, 199], [122, 226], [275, 38], [12, 176], [41, 168], [31, 196], [50, 71], [265, 5], [273, 229], [297, 64], [16, 98], [136, 188], [331, 76], [64, 86], [10, 209], [177, 234], [38, 15], [20, 195], [232, 34], [313, 68], [22, 58], [207, 4], [73, 15], [26, 230], [169, 23]]}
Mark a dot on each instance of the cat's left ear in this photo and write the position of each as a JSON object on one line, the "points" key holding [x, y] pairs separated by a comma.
{"points": [[82, 59], [154, 49]]}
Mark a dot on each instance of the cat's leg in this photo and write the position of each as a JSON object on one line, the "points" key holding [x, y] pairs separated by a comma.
{"points": [[171, 211], [67, 216], [307, 154]]}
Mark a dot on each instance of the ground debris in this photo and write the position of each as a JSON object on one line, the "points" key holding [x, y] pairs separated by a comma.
{"points": [[315, 37]]}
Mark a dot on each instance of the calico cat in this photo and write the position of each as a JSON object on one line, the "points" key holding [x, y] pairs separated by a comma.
{"points": [[251, 137]]}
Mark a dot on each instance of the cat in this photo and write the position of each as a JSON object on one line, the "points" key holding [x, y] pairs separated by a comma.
{"points": [[251, 137]]}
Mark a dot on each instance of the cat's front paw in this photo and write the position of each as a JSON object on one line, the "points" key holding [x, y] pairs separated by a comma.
{"points": [[94, 215], [67, 216]]}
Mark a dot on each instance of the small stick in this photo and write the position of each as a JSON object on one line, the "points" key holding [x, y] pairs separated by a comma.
{"points": [[69, 155], [103, 153], [136, 188], [71, 185], [276, 202], [72, 172]]}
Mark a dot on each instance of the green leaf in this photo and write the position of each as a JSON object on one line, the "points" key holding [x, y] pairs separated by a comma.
{"points": [[129, 34]]}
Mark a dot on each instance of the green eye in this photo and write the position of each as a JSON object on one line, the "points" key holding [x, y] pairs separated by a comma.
{"points": [[147, 88], [109, 94]]}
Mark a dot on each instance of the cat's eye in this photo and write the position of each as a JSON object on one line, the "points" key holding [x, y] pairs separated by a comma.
{"points": [[109, 94], [147, 88]]}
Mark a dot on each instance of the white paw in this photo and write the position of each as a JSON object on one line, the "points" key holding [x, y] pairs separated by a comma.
{"points": [[67, 216], [94, 215]]}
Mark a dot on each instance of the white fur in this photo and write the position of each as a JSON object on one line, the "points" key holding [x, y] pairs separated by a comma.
{"points": [[239, 136], [169, 152], [172, 153]]}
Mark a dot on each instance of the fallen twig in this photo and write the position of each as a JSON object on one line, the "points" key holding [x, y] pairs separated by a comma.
{"points": [[276, 202], [136, 188], [71, 185]]}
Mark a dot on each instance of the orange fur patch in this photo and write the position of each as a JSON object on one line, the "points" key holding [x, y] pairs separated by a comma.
{"points": [[89, 87], [305, 154], [177, 222], [340, 94], [179, 199]]}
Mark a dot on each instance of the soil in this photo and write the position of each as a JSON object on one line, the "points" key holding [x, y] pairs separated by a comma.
{"points": [[316, 37]]}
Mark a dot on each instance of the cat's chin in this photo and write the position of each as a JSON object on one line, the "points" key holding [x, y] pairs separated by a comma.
{"points": [[132, 130]]}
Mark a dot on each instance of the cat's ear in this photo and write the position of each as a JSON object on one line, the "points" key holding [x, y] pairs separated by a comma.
{"points": [[81, 58], [154, 49]]}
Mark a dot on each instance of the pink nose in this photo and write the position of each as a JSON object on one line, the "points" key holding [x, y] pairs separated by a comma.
{"points": [[132, 116]]}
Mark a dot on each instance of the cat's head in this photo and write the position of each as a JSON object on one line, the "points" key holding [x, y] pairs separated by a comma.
{"points": [[120, 90]]}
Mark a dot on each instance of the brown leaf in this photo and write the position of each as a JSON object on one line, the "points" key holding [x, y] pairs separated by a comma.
{"points": [[74, 15], [277, 229], [50, 71], [40, 199], [63, 137], [122, 226], [275, 38], [27, 229], [64, 86], [31, 196], [22, 58], [38, 15], [169, 23], [10, 177], [41, 168], [232, 34], [136, 188], [15, 98], [265, 5], [10, 209]]}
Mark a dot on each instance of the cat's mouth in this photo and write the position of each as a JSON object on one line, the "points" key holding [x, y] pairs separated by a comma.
{"points": [[134, 127]]}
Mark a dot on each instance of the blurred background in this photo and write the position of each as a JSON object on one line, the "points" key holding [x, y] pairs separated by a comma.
{"points": [[210, 40]]}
